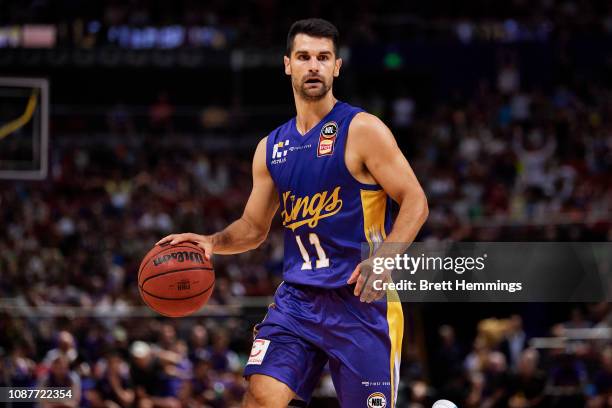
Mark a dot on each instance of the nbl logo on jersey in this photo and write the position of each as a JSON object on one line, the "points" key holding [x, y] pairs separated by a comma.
{"points": [[327, 139], [377, 400]]}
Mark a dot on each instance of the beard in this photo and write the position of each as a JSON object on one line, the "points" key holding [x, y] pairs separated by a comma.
{"points": [[312, 93]]}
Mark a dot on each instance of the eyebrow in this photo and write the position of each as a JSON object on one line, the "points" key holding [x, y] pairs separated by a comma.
{"points": [[306, 52]]}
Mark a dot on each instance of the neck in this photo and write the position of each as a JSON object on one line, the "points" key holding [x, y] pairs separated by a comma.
{"points": [[309, 113]]}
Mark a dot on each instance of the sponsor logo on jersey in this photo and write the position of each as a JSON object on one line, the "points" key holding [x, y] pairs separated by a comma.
{"points": [[181, 256], [281, 149], [298, 211], [258, 351], [279, 152], [327, 139], [297, 148], [377, 400]]}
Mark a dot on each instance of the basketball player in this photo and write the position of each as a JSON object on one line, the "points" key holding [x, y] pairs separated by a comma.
{"points": [[333, 170]]}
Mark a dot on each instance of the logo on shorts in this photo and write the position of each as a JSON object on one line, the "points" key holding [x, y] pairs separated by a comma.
{"points": [[327, 139], [377, 400], [258, 351]]}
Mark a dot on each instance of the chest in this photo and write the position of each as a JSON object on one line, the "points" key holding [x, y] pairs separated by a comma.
{"points": [[308, 161], [297, 166]]}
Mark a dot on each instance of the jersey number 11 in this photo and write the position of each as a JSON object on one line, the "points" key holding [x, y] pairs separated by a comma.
{"points": [[322, 262]]}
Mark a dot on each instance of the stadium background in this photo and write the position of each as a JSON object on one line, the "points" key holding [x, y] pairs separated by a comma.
{"points": [[504, 110]]}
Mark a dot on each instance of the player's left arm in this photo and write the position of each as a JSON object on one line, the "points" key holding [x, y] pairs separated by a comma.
{"points": [[373, 144]]}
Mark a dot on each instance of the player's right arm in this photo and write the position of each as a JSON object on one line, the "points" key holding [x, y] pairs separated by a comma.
{"points": [[250, 230]]}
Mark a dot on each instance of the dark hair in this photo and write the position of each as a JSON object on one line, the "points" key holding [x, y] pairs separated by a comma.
{"points": [[314, 27]]}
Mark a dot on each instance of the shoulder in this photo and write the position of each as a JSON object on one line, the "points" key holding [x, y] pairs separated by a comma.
{"points": [[262, 143], [260, 161], [367, 130], [260, 152]]}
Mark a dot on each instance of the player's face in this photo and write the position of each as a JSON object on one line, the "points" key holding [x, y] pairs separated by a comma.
{"points": [[312, 66]]}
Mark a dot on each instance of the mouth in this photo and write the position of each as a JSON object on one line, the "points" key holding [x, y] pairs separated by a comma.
{"points": [[313, 81]]}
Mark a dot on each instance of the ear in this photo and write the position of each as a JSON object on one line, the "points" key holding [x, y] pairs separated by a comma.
{"points": [[286, 61], [337, 67]]}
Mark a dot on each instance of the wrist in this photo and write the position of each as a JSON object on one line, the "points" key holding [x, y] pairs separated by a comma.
{"points": [[214, 240]]}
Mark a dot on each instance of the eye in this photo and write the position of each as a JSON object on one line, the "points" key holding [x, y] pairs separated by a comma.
{"points": [[303, 57], [323, 57]]}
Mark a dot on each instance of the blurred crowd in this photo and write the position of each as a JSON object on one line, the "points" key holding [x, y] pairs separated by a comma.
{"points": [[197, 362], [508, 156], [505, 367], [111, 363], [506, 162], [245, 23]]}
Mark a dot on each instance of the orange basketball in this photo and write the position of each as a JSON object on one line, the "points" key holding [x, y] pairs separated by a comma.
{"points": [[177, 280]]}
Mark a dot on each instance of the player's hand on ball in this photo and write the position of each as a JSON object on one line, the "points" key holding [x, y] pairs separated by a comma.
{"points": [[205, 242], [364, 277]]}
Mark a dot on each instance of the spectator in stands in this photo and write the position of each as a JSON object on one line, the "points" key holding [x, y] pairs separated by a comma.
{"points": [[60, 375], [19, 369], [514, 342], [198, 343], [150, 371], [526, 388], [567, 379], [447, 362], [65, 348], [114, 387], [222, 358]]}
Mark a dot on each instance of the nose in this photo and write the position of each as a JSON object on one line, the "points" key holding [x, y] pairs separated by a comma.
{"points": [[313, 65]]}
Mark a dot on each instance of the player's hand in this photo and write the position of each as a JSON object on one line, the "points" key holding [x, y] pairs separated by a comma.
{"points": [[205, 242], [364, 277]]}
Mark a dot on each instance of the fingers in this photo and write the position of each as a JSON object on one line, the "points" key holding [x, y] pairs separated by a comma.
{"points": [[365, 287], [207, 248], [165, 239], [359, 286], [187, 237], [378, 295], [368, 293], [204, 244], [364, 278], [354, 275], [174, 239]]}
